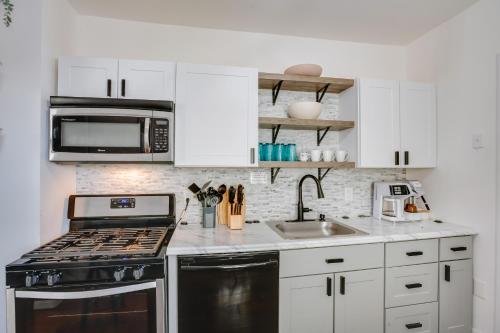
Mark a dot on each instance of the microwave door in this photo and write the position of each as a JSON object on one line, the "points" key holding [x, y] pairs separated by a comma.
{"points": [[100, 138]]}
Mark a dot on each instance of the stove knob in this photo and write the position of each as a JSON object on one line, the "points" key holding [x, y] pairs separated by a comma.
{"points": [[119, 274], [32, 279], [138, 272], [53, 278]]}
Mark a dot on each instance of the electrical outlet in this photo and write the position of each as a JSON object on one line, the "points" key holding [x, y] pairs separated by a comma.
{"points": [[258, 177], [348, 194]]}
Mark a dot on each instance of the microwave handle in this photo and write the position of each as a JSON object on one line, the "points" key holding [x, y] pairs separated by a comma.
{"points": [[147, 135]]}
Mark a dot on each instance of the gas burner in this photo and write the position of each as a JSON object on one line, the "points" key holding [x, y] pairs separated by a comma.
{"points": [[96, 243]]}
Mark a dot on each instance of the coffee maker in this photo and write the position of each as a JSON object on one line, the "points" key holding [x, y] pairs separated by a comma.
{"points": [[400, 201]]}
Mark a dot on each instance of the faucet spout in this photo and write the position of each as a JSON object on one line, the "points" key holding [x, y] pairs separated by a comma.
{"points": [[300, 206]]}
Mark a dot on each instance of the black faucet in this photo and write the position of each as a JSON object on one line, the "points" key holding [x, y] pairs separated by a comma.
{"points": [[300, 207]]}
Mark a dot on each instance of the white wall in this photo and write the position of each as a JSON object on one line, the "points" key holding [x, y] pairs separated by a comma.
{"points": [[272, 53], [460, 57], [20, 97]]}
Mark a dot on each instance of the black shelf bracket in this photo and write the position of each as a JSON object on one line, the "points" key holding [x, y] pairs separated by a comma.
{"points": [[274, 174], [276, 130], [321, 176], [276, 91], [320, 136], [321, 93]]}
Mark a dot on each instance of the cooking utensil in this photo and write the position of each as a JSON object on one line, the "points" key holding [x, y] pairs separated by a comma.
{"points": [[221, 190], [204, 187], [232, 196], [194, 188], [239, 198]]}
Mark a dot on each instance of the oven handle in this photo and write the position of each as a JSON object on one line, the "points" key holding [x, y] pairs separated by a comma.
{"points": [[60, 295], [228, 267]]}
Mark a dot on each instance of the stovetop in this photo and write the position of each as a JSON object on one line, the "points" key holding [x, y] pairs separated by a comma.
{"points": [[101, 242]]}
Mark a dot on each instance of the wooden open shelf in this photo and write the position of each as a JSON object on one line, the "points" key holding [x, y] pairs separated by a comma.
{"points": [[304, 83], [304, 124], [320, 165]]}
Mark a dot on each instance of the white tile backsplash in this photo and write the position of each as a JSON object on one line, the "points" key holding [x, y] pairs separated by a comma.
{"points": [[265, 201]]}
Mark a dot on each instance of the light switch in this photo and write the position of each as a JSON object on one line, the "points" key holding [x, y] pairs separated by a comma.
{"points": [[258, 177], [479, 289], [477, 141]]}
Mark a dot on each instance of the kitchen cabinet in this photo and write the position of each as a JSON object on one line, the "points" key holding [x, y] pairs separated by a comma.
{"points": [[455, 296], [216, 116], [116, 78], [87, 77], [396, 124], [355, 293], [306, 304]]}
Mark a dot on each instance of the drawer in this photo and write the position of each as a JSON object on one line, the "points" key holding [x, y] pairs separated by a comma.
{"points": [[331, 259], [453, 248], [407, 285], [421, 318], [411, 253]]}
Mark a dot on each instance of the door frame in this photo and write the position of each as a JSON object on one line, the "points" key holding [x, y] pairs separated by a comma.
{"points": [[497, 212]]}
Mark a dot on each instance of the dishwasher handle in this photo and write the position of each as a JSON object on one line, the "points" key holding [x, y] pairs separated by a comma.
{"points": [[228, 267]]}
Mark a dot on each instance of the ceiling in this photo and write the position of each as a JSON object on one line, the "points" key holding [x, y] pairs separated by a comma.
{"points": [[373, 21]]}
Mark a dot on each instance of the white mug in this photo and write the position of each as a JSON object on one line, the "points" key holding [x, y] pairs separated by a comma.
{"points": [[341, 155], [327, 155], [304, 157], [315, 155]]}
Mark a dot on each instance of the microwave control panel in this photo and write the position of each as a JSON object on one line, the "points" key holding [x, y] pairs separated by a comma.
{"points": [[160, 133]]}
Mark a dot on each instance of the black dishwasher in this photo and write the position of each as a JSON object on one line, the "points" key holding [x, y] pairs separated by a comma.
{"points": [[228, 293]]}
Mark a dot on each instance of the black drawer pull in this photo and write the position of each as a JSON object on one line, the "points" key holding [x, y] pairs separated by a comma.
{"points": [[414, 253], [447, 273], [334, 261], [342, 285], [328, 286], [414, 325], [458, 248], [413, 285]]}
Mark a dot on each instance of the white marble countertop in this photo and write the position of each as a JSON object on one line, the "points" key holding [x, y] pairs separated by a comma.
{"points": [[193, 239]]}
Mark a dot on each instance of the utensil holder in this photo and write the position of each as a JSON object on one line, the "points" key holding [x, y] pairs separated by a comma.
{"points": [[209, 217]]}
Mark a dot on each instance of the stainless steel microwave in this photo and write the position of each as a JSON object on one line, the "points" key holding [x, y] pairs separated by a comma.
{"points": [[111, 130]]}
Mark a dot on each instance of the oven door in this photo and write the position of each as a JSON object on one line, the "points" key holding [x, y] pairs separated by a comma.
{"points": [[100, 135], [137, 308]]}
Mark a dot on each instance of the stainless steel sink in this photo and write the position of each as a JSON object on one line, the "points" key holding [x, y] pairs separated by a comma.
{"points": [[313, 229]]}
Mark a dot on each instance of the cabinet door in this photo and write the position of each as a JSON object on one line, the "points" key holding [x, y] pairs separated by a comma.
{"points": [[360, 292], [216, 116], [306, 304], [418, 124], [379, 140], [87, 77], [153, 80], [455, 296]]}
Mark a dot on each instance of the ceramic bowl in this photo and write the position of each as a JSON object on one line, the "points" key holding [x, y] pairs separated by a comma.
{"points": [[304, 110], [305, 69]]}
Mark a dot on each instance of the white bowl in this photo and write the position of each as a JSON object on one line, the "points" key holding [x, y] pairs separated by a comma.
{"points": [[305, 69], [304, 110]]}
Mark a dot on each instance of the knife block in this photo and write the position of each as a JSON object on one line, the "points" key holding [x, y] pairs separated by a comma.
{"points": [[236, 222]]}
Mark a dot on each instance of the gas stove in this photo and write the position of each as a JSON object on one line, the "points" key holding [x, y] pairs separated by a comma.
{"points": [[112, 238]]}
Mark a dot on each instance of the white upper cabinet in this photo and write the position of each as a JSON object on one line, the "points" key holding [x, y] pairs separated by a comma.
{"points": [[153, 80], [216, 116], [87, 77], [378, 123], [396, 124], [418, 124], [106, 77]]}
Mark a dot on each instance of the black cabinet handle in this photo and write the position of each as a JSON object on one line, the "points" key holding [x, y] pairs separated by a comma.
{"points": [[396, 158], [334, 261], [458, 249], [407, 157], [414, 325], [447, 273], [109, 88], [413, 285], [123, 87], [329, 286], [414, 253], [342, 285]]}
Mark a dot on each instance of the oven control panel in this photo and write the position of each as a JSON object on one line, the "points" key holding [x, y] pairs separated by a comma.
{"points": [[160, 129], [122, 203]]}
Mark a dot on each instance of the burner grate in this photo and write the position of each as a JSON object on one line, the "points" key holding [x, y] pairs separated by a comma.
{"points": [[103, 242]]}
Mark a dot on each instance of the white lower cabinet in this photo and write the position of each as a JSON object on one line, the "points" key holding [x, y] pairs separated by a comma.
{"points": [[455, 296], [328, 303], [306, 304], [420, 318], [360, 292]]}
